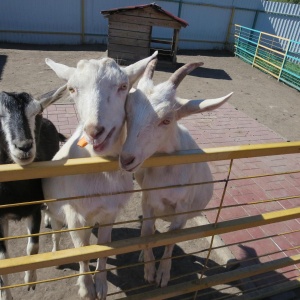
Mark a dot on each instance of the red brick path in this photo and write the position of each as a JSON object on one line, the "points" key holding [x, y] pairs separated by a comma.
{"points": [[226, 127]]}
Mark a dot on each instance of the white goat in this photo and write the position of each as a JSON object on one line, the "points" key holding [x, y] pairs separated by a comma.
{"points": [[152, 115], [99, 89]]}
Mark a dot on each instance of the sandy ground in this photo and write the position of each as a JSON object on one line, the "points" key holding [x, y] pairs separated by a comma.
{"points": [[22, 68], [260, 96]]}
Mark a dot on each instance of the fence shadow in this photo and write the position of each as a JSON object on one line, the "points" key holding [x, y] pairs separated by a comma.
{"points": [[265, 280], [129, 279], [129, 276]]}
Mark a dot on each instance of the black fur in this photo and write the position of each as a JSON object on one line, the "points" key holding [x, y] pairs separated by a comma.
{"points": [[47, 144]]}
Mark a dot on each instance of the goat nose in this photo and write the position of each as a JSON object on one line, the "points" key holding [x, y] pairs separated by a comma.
{"points": [[126, 159], [94, 131], [24, 146]]}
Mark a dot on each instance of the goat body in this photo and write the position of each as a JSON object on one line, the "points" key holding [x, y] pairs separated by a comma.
{"points": [[99, 89], [152, 115], [25, 136]]}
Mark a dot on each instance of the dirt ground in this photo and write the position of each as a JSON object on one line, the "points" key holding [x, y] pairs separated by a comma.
{"points": [[260, 96], [22, 68]]}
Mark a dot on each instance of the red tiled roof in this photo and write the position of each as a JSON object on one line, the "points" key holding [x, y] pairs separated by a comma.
{"points": [[155, 6]]}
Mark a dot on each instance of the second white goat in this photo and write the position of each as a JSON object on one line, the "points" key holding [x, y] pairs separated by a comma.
{"points": [[152, 115]]}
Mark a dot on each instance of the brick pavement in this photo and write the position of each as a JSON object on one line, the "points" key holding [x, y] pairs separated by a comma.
{"points": [[226, 127]]}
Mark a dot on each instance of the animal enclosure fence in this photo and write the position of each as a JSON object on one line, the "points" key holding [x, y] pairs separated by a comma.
{"points": [[275, 55], [268, 271]]}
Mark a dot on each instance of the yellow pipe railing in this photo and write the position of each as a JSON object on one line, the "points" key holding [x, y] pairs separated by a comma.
{"points": [[43, 260], [98, 164]]}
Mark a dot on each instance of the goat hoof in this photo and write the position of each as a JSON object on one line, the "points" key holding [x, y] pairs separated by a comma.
{"points": [[149, 272], [87, 289], [162, 278], [31, 287]]}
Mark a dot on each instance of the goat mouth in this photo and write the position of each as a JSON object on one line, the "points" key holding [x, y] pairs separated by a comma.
{"points": [[22, 160], [102, 145]]}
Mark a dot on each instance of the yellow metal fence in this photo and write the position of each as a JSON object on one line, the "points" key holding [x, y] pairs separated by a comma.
{"points": [[265, 272]]}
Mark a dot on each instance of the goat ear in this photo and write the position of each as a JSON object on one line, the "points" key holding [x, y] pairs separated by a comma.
{"points": [[62, 71], [134, 71], [50, 97], [189, 107]]}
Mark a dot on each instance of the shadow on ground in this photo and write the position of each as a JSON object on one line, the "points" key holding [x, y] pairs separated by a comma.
{"points": [[130, 280], [185, 268], [3, 59]]}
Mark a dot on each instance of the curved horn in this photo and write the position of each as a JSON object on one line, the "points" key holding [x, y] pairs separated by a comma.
{"points": [[150, 69], [179, 75], [51, 97]]}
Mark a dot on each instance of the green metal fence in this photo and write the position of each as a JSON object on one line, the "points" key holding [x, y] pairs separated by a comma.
{"points": [[275, 55]]}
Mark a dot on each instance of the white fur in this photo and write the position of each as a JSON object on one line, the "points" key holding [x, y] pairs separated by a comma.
{"points": [[99, 89], [152, 127]]}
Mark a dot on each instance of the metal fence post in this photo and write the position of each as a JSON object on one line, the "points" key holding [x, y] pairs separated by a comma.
{"points": [[256, 51], [229, 26], [82, 22], [284, 58]]}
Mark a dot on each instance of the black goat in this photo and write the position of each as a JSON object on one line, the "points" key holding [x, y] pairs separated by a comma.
{"points": [[25, 136]]}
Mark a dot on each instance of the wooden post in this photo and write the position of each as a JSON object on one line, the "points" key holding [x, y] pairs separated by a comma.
{"points": [[175, 45]]}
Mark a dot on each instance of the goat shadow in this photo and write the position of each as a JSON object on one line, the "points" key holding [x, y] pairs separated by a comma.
{"points": [[129, 279], [266, 280], [3, 60]]}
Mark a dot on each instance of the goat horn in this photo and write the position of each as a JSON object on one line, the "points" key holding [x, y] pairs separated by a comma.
{"points": [[150, 69], [50, 97], [179, 74]]}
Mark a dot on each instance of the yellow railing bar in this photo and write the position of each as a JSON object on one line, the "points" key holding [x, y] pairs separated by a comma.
{"points": [[43, 260], [98, 164], [284, 58], [159, 217], [256, 50], [200, 284], [276, 289], [268, 62], [268, 48], [260, 67], [276, 36]]}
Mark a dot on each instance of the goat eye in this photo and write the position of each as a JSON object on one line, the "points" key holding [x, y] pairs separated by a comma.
{"points": [[165, 122], [123, 87], [71, 90]]}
